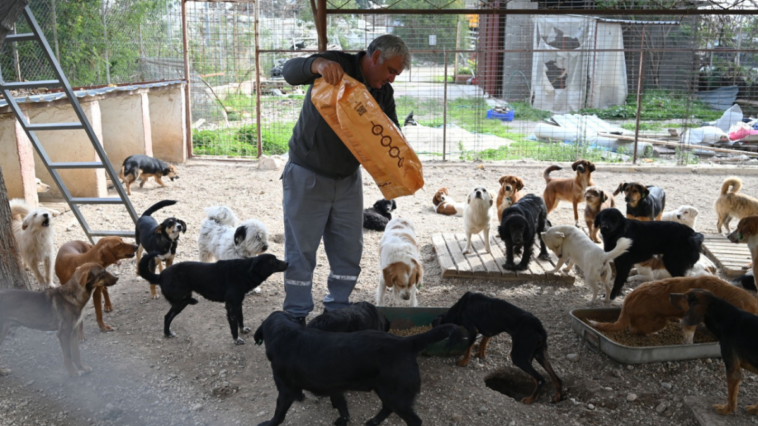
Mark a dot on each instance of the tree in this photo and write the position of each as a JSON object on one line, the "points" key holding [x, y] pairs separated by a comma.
{"points": [[9, 13]]}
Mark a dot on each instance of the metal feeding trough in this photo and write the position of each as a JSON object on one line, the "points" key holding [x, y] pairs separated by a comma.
{"points": [[403, 318], [630, 354]]}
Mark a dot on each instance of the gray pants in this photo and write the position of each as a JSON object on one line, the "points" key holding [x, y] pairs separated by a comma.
{"points": [[316, 206]]}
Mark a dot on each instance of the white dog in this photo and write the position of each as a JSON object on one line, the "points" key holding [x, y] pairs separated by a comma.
{"points": [[35, 236], [399, 262], [686, 215], [569, 242], [658, 271], [222, 238], [477, 216], [41, 186]]}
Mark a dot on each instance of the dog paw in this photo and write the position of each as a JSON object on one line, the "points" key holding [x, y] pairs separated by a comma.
{"points": [[5, 371], [462, 362], [267, 423], [544, 256], [466, 251], [106, 328], [257, 290], [341, 421], [239, 341], [752, 409], [84, 370], [528, 400], [108, 308], [723, 409], [245, 330], [170, 335], [155, 297], [300, 397]]}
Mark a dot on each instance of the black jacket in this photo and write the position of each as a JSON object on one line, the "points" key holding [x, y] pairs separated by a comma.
{"points": [[314, 145]]}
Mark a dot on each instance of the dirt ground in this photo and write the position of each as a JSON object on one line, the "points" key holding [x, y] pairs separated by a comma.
{"points": [[201, 378]]}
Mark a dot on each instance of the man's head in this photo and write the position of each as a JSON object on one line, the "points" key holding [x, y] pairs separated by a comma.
{"points": [[386, 57]]}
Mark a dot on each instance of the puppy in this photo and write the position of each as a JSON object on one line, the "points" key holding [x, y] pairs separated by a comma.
{"points": [[41, 187], [477, 216], [57, 309], [161, 239], [35, 236], [356, 317], [653, 270], [489, 316], [737, 331], [747, 233], [330, 364], [644, 203], [376, 217], [509, 193], [400, 262], [569, 242], [596, 200], [225, 281], [520, 225], [221, 239], [733, 205], [571, 190], [679, 244], [142, 167], [686, 215], [445, 205], [647, 310]]}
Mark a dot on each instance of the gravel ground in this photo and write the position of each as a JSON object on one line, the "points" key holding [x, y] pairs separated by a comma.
{"points": [[202, 378]]}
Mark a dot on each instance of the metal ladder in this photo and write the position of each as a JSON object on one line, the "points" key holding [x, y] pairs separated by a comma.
{"points": [[30, 128]]}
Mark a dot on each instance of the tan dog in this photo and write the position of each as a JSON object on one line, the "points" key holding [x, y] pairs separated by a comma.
{"points": [[733, 205], [35, 236], [400, 262], [445, 205], [106, 252], [747, 232], [568, 189], [596, 200], [647, 309], [509, 193], [57, 309]]}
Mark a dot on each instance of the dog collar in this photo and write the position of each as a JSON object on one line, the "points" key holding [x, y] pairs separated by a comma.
{"points": [[643, 196], [739, 236], [508, 199], [259, 342]]}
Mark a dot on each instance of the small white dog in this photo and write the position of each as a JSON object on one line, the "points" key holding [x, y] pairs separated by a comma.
{"points": [[477, 216], [399, 262], [221, 237], [686, 215], [33, 230], [41, 186], [658, 272], [570, 242]]}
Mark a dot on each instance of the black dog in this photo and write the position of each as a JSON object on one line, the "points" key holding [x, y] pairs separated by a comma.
{"points": [[161, 239], [225, 281], [356, 317], [331, 364], [410, 120], [644, 203], [377, 217], [521, 223], [478, 313], [679, 244], [142, 167]]}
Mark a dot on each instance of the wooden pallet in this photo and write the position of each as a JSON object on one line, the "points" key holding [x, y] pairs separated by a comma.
{"points": [[733, 259], [480, 264]]}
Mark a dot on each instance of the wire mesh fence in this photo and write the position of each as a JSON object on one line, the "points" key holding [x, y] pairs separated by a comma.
{"points": [[490, 86]]}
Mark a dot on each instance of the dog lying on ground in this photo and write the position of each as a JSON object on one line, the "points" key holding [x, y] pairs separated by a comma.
{"points": [[222, 239], [647, 310], [141, 167], [445, 205], [225, 281], [106, 252], [654, 270], [733, 205], [570, 243], [747, 233], [509, 193], [35, 236], [160, 239], [356, 317], [568, 189], [478, 313], [400, 262], [679, 244], [686, 215], [644, 203], [41, 186], [330, 364], [596, 200], [57, 309], [521, 223], [377, 217], [477, 216], [737, 332]]}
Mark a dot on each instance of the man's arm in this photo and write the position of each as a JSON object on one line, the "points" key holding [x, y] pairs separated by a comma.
{"points": [[300, 71]]}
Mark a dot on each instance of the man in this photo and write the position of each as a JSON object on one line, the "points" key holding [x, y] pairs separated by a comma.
{"points": [[323, 187]]}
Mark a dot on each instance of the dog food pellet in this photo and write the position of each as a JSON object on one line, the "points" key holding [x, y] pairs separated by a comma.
{"points": [[410, 331], [671, 335]]}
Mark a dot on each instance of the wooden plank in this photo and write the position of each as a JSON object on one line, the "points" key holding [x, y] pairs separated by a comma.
{"points": [[473, 257], [488, 260], [498, 246], [443, 255], [455, 251], [535, 266]]}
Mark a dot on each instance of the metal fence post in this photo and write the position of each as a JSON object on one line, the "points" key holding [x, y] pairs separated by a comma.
{"points": [[444, 112], [639, 94], [187, 79], [257, 85]]}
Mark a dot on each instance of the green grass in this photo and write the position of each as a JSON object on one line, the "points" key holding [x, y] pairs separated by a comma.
{"points": [[241, 141], [644, 127], [541, 151], [658, 105]]}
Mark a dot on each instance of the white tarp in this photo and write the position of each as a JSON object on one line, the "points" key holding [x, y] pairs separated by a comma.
{"points": [[605, 72]]}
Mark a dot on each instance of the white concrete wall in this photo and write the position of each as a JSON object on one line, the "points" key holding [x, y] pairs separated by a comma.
{"points": [[126, 127], [17, 161], [168, 123]]}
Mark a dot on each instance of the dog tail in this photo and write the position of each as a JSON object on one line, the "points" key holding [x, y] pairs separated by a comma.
{"points": [[19, 208], [146, 269], [420, 342], [622, 245], [747, 282], [157, 206], [734, 182], [546, 173], [221, 215]]}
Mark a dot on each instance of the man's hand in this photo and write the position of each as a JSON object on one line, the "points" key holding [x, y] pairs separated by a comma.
{"points": [[330, 70]]}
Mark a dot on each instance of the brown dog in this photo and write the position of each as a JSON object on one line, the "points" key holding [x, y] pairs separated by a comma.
{"points": [[509, 193], [747, 232], [445, 205], [596, 200], [56, 309], [647, 308], [568, 189], [733, 205], [106, 252]]}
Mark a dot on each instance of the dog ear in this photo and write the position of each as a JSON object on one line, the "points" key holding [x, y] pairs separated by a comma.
{"points": [[519, 184], [184, 225], [698, 304], [159, 229], [107, 256], [394, 205], [575, 165], [502, 179], [254, 263], [258, 336], [387, 277], [27, 221], [645, 191], [468, 199], [603, 196], [491, 201], [622, 187], [239, 235], [419, 273], [592, 166]]}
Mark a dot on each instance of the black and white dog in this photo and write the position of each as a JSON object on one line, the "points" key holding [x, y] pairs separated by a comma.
{"points": [[161, 239], [377, 217]]}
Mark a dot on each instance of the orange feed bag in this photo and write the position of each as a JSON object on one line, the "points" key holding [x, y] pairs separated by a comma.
{"points": [[370, 135]]}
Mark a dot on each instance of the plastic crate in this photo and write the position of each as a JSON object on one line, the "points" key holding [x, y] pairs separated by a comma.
{"points": [[508, 116]]}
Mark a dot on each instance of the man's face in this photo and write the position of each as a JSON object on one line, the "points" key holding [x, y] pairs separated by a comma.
{"points": [[377, 75]]}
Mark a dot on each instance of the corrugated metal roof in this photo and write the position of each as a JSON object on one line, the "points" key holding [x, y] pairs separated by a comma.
{"points": [[628, 21], [50, 97]]}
